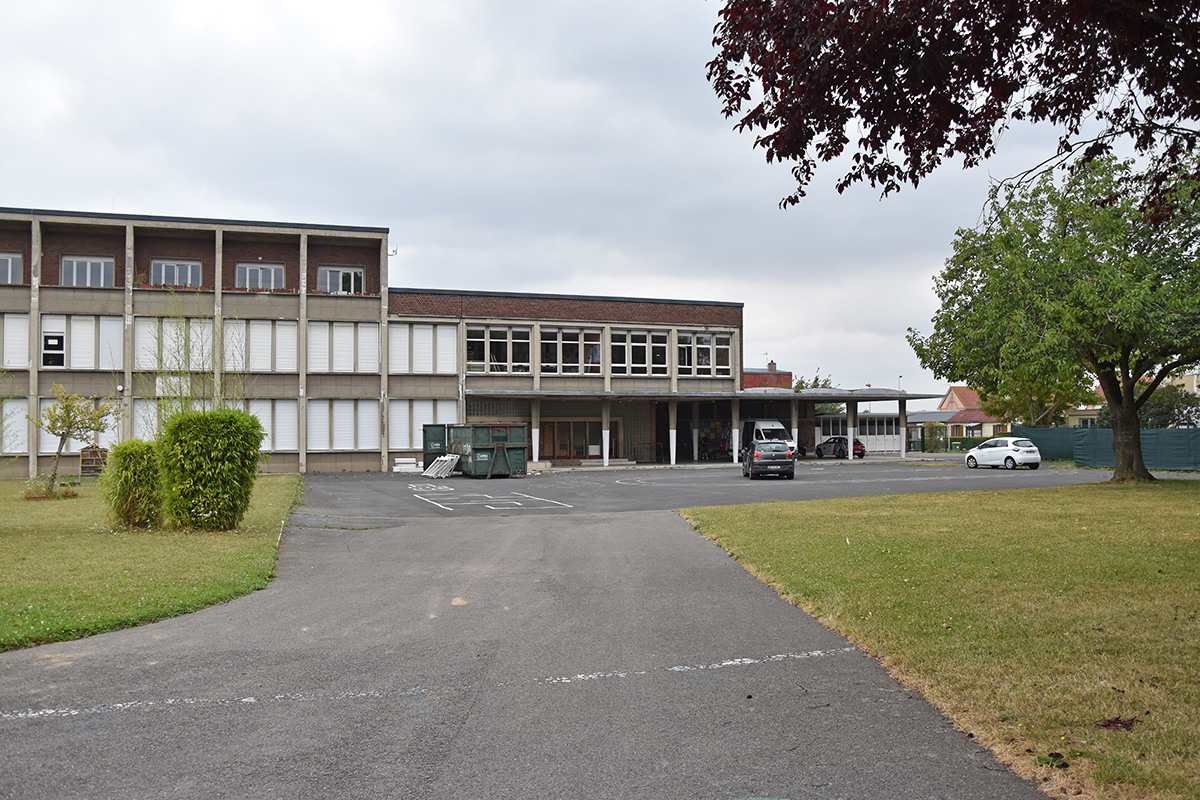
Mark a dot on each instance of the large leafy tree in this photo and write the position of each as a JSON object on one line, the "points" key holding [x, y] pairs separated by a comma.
{"points": [[903, 85], [1170, 406], [1065, 280], [1037, 402]]}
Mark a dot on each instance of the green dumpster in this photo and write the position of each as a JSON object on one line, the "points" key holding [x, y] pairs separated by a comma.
{"points": [[434, 443], [489, 451]]}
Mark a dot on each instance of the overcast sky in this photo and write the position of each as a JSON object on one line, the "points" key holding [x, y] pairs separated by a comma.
{"points": [[509, 145]]}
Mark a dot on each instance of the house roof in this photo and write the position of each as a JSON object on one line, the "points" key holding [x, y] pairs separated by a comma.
{"points": [[959, 397], [970, 416]]}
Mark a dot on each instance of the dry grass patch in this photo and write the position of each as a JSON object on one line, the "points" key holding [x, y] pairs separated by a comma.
{"points": [[64, 574], [1030, 617]]}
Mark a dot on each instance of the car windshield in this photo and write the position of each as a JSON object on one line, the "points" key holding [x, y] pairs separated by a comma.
{"points": [[777, 434], [1022, 443]]}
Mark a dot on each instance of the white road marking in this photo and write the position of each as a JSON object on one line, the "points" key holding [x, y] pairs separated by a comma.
{"points": [[418, 694]]}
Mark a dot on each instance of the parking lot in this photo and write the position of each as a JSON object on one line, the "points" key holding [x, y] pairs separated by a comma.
{"points": [[384, 499]]}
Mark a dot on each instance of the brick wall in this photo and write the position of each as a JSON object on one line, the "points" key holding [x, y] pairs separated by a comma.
{"points": [[548, 307], [261, 252], [365, 256], [56, 244], [13, 240], [146, 248]]}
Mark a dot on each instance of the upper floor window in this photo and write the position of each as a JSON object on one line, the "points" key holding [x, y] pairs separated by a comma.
{"points": [[340, 280], [167, 272], [260, 276], [639, 352], [570, 351], [705, 354], [10, 268], [92, 271], [498, 350]]}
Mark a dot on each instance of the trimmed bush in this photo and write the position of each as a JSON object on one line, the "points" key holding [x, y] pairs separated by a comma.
{"points": [[131, 484], [210, 460]]}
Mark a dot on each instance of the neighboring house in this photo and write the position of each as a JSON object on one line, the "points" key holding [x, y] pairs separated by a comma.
{"points": [[968, 419], [1085, 416], [770, 378]]}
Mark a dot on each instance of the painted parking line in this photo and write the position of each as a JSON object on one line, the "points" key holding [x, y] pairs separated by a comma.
{"points": [[449, 500]]}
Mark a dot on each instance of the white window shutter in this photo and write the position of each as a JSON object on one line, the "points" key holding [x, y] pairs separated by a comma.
{"points": [[368, 425], [145, 343], [285, 346], [318, 424], [16, 341], [233, 333], [399, 435], [447, 412], [447, 349], [343, 347], [112, 343], [318, 347], [368, 347], [174, 341], [422, 349], [343, 425], [422, 416], [398, 363], [14, 428], [145, 419], [287, 430], [259, 352], [200, 344], [83, 342], [261, 410]]}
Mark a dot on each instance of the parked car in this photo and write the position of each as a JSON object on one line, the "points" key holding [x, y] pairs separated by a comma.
{"points": [[836, 446], [1009, 452], [769, 458]]}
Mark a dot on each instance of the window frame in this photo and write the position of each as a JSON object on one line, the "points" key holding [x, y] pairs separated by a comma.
{"points": [[355, 274], [244, 268], [195, 269], [12, 269], [107, 267]]}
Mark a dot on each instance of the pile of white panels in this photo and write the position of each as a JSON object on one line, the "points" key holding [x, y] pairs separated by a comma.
{"points": [[442, 467]]}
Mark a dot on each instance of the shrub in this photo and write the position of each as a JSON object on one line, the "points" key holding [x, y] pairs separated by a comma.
{"points": [[131, 484], [210, 459]]}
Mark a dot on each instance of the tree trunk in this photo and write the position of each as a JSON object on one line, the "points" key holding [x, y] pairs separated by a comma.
{"points": [[62, 442], [1127, 444]]}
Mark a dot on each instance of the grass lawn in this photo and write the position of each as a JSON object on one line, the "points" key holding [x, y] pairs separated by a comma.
{"points": [[1060, 627], [64, 574]]}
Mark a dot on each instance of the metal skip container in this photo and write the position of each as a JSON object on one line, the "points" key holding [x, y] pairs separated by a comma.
{"points": [[490, 451]]}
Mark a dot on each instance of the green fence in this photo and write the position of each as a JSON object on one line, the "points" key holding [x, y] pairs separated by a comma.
{"points": [[1162, 448]]}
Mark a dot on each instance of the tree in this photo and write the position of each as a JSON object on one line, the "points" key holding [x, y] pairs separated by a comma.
{"points": [[1038, 404], [1061, 281], [817, 382], [72, 417], [1170, 406], [925, 82]]}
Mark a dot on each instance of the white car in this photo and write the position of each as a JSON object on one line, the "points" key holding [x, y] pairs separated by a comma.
{"points": [[1009, 452]]}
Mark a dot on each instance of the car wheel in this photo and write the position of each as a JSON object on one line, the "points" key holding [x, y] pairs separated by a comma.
{"points": [[745, 472], [971, 462], [791, 476], [1009, 463], [860, 455], [820, 453], [1034, 466], [839, 453]]}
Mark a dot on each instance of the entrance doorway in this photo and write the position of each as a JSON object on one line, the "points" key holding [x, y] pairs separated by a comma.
{"points": [[577, 439]]}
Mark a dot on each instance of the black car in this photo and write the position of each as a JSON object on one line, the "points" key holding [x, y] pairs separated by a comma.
{"points": [[769, 458]]}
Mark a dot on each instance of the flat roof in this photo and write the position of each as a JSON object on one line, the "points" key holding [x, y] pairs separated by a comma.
{"points": [[545, 296], [41, 212], [843, 395]]}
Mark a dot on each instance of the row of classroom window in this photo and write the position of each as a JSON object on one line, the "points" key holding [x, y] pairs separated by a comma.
{"points": [[100, 272], [331, 425], [85, 342]]}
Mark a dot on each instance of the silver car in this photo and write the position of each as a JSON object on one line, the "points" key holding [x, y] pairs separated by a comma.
{"points": [[1009, 452]]}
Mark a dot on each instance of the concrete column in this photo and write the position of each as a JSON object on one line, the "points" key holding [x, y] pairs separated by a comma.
{"points": [[735, 432], [384, 421], [796, 423], [696, 430], [126, 397], [904, 429], [605, 428], [32, 431], [851, 427], [672, 425], [535, 428], [302, 355]]}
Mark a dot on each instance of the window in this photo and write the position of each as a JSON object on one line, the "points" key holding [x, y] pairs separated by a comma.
{"points": [[16, 341], [407, 418], [422, 349], [260, 276], [340, 280], [570, 351], [343, 425], [54, 349], [705, 354], [14, 427], [498, 350], [91, 271], [639, 352], [343, 347], [164, 272], [173, 344], [10, 268]]}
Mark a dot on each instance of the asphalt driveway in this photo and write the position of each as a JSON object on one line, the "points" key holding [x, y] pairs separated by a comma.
{"points": [[508, 654]]}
